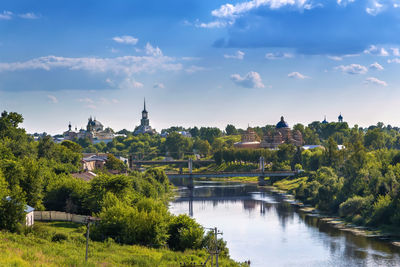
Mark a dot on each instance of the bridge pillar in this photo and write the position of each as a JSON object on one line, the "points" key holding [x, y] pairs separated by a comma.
{"points": [[262, 165], [261, 181], [190, 165]]}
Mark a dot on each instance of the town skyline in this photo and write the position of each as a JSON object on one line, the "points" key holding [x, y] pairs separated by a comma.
{"points": [[246, 62]]}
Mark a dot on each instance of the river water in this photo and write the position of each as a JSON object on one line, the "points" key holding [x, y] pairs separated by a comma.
{"points": [[259, 226]]}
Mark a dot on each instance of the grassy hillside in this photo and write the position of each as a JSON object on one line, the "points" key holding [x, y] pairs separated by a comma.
{"points": [[63, 244]]}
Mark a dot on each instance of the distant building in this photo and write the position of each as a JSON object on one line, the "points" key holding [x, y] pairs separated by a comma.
{"points": [[324, 121], [144, 126], [94, 131], [282, 135], [340, 118], [249, 139], [93, 161], [86, 176]]}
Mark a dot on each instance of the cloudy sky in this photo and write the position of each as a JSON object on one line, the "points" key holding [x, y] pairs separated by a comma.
{"points": [[199, 62]]}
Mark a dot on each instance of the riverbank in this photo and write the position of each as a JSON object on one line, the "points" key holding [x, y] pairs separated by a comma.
{"points": [[284, 186], [63, 244]]}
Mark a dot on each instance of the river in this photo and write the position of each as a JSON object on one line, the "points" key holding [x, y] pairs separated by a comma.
{"points": [[259, 226]]}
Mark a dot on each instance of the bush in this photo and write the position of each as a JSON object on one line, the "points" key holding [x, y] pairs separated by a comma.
{"points": [[59, 237], [355, 205], [146, 225], [185, 233], [382, 210]]}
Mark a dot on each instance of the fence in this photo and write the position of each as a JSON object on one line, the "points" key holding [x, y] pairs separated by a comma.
{"points": [[59, 216]]}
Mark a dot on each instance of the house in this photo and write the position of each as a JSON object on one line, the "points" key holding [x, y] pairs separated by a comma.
{"points": [[94, 161], [86, 176]]}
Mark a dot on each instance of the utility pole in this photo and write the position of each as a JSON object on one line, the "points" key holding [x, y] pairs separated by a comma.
{"points": [[216, 246], [89, 219], [215, 250], [87, 239]]}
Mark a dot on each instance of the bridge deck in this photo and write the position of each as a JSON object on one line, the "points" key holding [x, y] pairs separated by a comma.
{"points": [[170, 162], [231, 174]]}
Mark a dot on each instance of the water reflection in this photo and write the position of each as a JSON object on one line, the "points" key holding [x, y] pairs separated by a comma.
{"points": [[258, 225]]}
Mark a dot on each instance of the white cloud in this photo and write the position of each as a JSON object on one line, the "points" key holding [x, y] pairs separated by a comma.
{"points": [[352, 69], [375, 81], [113, 50], [375, 8], [228, 13], [297, 75], [376, 51], [394, 60], [212, 24], [85, 100], [344, 2], [91, 106], [106, 101], [232, 11], [278, 55], [194, 68], [6, 15], [119, 65], [238, 55], [376, 66], [126, 39], [395, 52], [335, 58], [153, 51], [29, 15], [130, 83], [190, 58], [250, 80], [158, 85], [52, 99]]}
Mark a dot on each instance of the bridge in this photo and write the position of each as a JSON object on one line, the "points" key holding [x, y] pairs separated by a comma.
{"points": [[170, 162], [260, 173], [231, 174]]}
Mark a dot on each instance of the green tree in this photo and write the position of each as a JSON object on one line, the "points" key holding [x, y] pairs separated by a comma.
{"points": [[112, 163], [230, 129], [184, 233]]}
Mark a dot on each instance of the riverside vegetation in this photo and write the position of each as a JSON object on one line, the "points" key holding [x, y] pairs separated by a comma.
{"points": [[136, 227], [359, 182]]}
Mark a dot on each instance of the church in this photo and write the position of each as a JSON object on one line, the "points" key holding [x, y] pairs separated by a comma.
{"points": [[144, 127], [282, 134], [94, 131]]}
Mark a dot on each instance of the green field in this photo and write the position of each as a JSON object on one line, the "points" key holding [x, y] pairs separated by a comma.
{"points": [[39, 247]]}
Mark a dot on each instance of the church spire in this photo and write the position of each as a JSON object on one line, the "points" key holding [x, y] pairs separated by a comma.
{"points": [[144, 104]]}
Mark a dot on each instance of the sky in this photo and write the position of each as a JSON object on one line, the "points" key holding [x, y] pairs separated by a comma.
{"points": [[199, 62]]}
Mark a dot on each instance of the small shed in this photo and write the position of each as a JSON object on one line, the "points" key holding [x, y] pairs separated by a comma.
{"points": [[29, 215]]}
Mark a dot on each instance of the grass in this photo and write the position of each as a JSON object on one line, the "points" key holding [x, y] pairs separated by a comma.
{"points": [[35, 248], [290, 184]]}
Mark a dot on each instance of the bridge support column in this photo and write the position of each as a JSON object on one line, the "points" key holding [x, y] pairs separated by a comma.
{"points": [[261, 181], [190, 167]]}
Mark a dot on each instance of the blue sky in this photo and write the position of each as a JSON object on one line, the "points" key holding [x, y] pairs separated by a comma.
{"points": [[204, 63]]}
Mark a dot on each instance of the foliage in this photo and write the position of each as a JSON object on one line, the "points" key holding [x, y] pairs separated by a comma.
{"points": [[113, 163], [184, 232]]}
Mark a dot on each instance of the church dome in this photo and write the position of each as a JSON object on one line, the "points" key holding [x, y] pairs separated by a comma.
{"points": [[97, 123], [282, 124]]}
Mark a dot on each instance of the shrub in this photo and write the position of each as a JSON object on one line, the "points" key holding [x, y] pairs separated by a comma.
{"points": [[58, 237], [355, 205], [185, 233]]}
